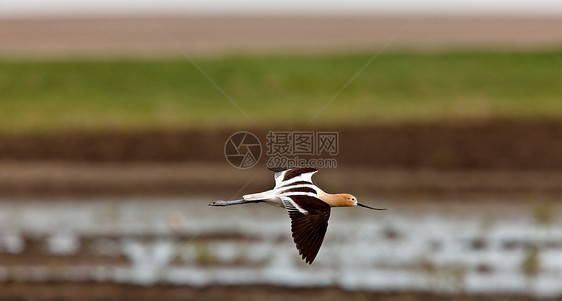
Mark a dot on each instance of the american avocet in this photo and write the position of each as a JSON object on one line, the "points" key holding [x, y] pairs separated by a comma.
{"points": [[308, 206]]}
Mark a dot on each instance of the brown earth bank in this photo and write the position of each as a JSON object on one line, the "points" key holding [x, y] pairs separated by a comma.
{"points": [[488, 145], [479, 160], [111, 291]]}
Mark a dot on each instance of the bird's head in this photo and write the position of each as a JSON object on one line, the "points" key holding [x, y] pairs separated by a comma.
{"points": [[351, 201]]}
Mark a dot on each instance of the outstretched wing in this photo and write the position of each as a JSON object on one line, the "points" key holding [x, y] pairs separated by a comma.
{"points": [[309, 222], [285, 176]]}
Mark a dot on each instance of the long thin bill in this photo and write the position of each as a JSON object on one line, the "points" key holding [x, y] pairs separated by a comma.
{"points": [[369, 207]]}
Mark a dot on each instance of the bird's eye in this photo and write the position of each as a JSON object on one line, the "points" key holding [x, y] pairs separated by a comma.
{"points": [[353, 199]]}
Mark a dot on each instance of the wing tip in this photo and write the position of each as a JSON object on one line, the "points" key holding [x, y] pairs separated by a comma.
{"points": [[284, 168], [279, 168], [307, 254], [308, 259]]}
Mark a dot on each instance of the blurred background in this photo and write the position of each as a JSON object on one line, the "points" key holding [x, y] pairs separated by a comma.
{"points": [[114, 117]]}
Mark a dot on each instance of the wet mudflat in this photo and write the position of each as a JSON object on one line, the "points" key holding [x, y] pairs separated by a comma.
{"points": [[504, 248]]}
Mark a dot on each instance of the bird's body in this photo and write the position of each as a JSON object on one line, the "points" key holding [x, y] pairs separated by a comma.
{"points": [[308, 206]]}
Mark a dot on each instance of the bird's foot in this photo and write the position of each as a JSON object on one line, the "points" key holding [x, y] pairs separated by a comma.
{"points": [[218, 203]]}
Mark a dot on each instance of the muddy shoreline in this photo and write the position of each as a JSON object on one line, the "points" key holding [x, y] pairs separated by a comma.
{"points": [[63, 180]]}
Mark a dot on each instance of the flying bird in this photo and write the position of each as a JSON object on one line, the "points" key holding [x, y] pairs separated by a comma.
{"points": [[308, 206]]}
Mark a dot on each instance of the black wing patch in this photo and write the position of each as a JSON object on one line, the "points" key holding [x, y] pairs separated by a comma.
{"points": [[308, 228], [283, 174], [292, 173], [299, 189], [296, 183]]}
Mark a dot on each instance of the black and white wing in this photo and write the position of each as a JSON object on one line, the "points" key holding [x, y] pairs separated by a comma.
{"points": [[309, 222], [286, 176]]}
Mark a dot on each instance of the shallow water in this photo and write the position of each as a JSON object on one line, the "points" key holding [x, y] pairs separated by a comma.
{"points": [[445, 247]]}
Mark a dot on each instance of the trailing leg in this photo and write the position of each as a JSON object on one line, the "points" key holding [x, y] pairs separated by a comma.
{"points": [[235, 202]]}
